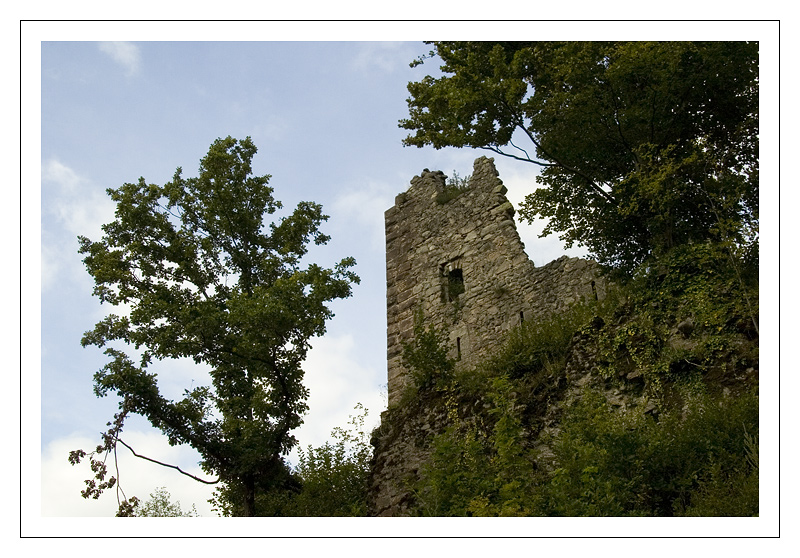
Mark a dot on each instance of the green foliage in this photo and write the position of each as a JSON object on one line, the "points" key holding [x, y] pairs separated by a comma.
{"points": [[608, 462], [644, 146], [696, 453], [329, 481], [335, 475], [477, 470], [425, 356], [160, 505], [627, 463], [454, 187], [697, 285], [206, 278], [537, 346]]}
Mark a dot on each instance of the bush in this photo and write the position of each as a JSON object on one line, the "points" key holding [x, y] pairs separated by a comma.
{"points": [[686, 319], [695, 454], [700, 458], [454, 187], [535, 347], [335, 475], [160, 505], [477, 469], [691, 461], [425, 356]]}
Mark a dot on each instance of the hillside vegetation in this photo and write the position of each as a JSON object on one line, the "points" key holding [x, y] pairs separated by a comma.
{"points": [[643, 404]]}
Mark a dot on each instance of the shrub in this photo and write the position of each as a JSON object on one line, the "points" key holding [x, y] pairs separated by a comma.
{"points": [[691, 461], [334, 475], [425, 356], [536, 346], [454, 187], [331, 480]]}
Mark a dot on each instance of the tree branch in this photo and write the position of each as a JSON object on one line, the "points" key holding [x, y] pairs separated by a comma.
{"points": [[504, 154], [520, 123], [167, 465], [592, 184]]}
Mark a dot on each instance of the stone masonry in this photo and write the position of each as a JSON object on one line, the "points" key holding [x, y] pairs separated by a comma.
{"points": [[463, 265]]}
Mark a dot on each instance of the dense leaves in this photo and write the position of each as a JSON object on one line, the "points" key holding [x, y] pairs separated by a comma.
{"points": [[643, 146], [329, 481], [615, 463], [700, 458], [204, 277]]}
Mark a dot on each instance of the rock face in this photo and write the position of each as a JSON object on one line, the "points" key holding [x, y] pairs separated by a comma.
{"points": [[461, 263]]}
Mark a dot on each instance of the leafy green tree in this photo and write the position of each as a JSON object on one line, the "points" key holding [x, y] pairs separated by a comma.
{"points": [[335, 475], [160, 505], [205, 277], [329, 481], [643, 146]]}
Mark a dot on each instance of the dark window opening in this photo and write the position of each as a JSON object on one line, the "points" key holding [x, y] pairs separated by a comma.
{"points": [[458, 348], [521, 316], [594, 291], [455, 284]]}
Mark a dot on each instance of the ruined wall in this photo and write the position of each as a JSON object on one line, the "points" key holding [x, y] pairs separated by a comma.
{"points": [[463, 265]]}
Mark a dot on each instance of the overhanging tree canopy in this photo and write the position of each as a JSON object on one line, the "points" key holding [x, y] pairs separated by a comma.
{"points": [[643, 146], [206, 278]]}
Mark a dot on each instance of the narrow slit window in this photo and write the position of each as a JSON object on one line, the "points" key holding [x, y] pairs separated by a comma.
{"points": [[594, 291], [521, 316], [458, 348]]}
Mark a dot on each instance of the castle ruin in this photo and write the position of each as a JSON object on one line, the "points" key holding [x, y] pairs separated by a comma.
{"points": [[456, 257]]}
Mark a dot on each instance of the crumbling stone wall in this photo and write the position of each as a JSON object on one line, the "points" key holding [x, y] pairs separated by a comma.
{"points": [[462, 264]]}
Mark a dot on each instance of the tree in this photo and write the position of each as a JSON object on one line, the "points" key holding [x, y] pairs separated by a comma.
{"points": [[160, 505], [331, 480], [335, 476], [204, 277], [642, 146]]}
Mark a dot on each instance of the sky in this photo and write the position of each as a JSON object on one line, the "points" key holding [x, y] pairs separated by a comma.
{"points": [[324, 116]]}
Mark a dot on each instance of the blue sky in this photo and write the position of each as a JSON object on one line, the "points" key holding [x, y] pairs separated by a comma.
{"points": [[324, 118]]}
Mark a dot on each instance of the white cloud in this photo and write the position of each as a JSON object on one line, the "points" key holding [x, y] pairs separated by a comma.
{"points": [[78, 207], [383, 56], [365, 207], [337, 382], [62, 482], [123, 53], [71, 206], [55, 171]]}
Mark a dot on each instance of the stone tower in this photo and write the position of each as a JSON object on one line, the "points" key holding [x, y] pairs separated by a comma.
{"points": [[460, 261]]}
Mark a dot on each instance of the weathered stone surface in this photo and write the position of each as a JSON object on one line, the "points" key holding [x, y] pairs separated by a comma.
{"points": [[470, 239]]}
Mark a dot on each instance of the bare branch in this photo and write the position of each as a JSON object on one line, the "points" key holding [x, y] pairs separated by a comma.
{"points": [[511, 143], [504, 154], [167, 465]]}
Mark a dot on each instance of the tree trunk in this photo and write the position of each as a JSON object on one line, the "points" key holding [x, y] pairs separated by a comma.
{"points": [[249, 497]]}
